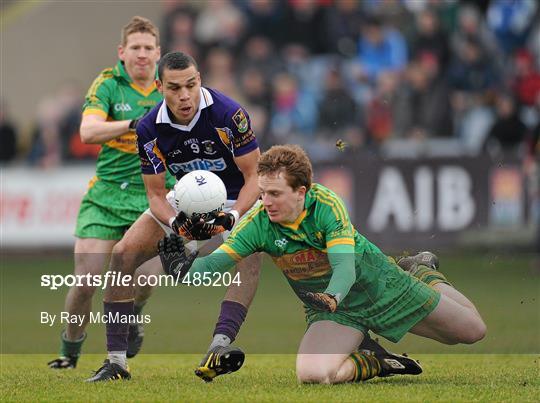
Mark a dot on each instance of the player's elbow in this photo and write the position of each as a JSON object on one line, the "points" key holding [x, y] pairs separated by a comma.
{"points": [[87, 136]]}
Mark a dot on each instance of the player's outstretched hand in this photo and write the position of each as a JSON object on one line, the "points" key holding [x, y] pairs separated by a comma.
{"points": [[320, 300], [222, 222], [173, 256]]}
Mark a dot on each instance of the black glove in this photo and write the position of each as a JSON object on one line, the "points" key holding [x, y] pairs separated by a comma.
{"points": [[182, 225], [173, 256], [133, 124], [319, 300], [203, 230]]}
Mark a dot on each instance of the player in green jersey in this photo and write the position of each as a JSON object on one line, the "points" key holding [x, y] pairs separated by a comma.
{"points": [[116, 196], [348, 286]]}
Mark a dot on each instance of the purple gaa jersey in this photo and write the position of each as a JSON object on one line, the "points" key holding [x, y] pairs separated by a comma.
{"points": [[219, 131]]}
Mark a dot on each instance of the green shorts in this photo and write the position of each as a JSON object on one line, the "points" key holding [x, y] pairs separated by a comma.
{"points": [[107, 210], [404, 302]]}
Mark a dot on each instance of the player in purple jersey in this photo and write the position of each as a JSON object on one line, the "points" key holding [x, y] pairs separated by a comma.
{"points": [[193, 128]]}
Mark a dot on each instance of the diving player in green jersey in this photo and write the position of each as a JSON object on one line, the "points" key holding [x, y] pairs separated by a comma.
{"points": [[116, 196], [348, 286]]}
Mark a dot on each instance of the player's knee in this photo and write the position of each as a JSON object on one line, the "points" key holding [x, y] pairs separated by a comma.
{"points": [[314, 375], [84, 292], [123, 254], [313, 370], [475, 332]]}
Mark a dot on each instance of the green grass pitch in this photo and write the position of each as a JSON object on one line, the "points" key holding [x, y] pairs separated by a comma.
{"points": [[169, 377], [505, 366]]}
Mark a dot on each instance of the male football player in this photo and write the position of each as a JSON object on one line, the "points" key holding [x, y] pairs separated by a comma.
{"points": [[116, 197], [348, 286], [193, 128]]}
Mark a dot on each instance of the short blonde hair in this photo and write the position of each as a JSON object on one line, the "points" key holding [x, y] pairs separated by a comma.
{"points": [[139, 24], [290, 159]]}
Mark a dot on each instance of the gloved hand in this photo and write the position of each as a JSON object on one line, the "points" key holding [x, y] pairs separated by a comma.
{"points": [[320, 300], [203, 230], [133, 124], [184, 226], [172, 254]]}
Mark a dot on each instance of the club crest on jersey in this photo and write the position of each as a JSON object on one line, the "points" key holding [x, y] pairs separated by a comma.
{"points": [[240, 120], [209, 147], [153, 153], [226, 136]]}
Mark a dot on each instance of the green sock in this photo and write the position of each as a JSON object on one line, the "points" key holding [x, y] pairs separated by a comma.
{"points": [[429, 276], [366, 366], [71, 348]]}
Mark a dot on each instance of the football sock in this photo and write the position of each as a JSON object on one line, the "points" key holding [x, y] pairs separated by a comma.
{"points": [[138, 307], [366, 366], [118, 357], [219, 340], [71, 348], [117, 324], [231, 317], [429, 276]]}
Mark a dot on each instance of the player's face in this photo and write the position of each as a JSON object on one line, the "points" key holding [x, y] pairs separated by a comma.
{"points": [[182, 92], [282, 203], [140, 55]]}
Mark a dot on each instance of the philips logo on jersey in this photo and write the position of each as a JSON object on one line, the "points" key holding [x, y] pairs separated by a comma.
{"points": [[122, 108], [204, 164]]}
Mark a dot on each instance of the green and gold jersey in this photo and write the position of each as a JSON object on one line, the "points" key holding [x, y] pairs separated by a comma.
{"points": [[115, 96], [320, 252]]}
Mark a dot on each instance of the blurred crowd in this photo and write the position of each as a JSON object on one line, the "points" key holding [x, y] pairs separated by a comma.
{"points": [[460, 75]]}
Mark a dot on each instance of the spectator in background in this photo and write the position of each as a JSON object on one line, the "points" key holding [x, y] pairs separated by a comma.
{"points": [[219, 71], [265, 18], [392, 12], [338, 113], [430, 38], [255, 89], [526, 80], [533, 43], [8, 136], [471, 27], [511, 22], [472, 81], [382, 113], [380, 49], [58, 117], [446, 10], [256, 96], [424, 101], [294, 112], [508, 132], [344, 20], [260, 54], [179, 29], [220, 24], [305, 25]]}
